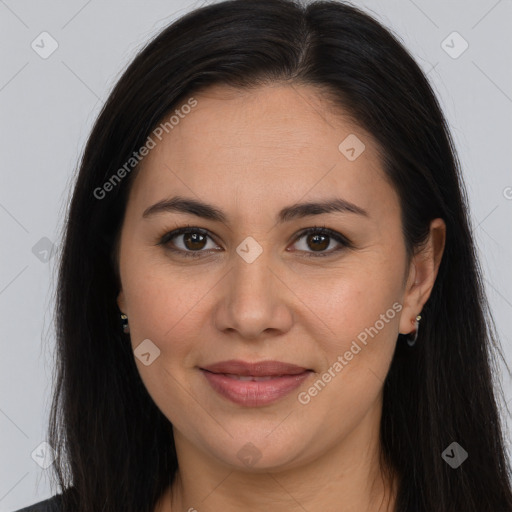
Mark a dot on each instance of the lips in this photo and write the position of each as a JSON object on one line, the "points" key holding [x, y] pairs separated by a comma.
{"points": [[254, 384], [261, 369]]}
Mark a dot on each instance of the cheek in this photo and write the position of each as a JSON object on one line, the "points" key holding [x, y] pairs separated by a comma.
{"points": [[362, 319], [167, 306], [350, 299], [357, 312], [166, 309]]}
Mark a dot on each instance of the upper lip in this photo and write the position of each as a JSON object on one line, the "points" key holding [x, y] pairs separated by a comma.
{"points": [[258, 369]]}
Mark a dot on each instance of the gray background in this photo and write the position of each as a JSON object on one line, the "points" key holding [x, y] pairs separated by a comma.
{"points": [[47, 110]]}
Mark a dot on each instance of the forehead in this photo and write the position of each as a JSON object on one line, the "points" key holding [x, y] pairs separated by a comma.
{"points": [[269, 118], [276, 142]]}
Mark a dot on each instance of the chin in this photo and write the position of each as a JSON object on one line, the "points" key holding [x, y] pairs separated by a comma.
{"points": [[258, 453]]}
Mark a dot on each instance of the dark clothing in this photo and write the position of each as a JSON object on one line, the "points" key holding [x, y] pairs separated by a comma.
{"points": [[50, 505]]}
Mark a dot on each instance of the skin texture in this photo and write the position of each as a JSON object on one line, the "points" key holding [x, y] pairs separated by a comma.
{"points": [[251, 153]]}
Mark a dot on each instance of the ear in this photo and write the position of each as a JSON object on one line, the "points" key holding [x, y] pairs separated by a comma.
{"points": [[120, 301], [422, 275]]}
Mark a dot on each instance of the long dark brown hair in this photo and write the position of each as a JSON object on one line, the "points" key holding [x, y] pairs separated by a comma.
{"points": [[115, 448]]}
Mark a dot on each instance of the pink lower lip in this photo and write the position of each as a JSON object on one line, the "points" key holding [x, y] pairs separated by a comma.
{"points": [[254, 393]]}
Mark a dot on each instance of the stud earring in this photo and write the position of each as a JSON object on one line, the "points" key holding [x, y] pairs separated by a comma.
{"points": [[124, 323]]}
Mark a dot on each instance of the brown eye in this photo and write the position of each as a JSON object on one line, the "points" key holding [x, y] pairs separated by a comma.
{"points": [[317, 242], [318, 239], [187, 241], [194, 241]]}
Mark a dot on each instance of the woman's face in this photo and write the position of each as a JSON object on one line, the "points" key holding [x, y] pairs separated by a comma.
{"points": [[251, 287]]}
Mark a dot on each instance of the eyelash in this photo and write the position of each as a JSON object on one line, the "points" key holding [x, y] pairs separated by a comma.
{"points": [[319, 230]]}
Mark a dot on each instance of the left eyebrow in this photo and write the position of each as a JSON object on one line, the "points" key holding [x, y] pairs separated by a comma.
{"points": [[211, 212], [318, 208]]}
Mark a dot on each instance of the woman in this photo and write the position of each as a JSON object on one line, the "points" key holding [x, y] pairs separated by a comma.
{"points": [[269, 297]]}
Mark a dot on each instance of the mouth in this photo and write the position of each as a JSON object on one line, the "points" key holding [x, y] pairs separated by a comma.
{"points": [[251, 377], [254, 384]]}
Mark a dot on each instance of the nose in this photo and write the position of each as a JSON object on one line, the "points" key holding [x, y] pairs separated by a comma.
{"points": [[254, 301]]}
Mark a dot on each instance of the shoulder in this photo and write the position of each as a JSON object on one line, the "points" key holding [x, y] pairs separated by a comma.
{"points": [[53, 504]]}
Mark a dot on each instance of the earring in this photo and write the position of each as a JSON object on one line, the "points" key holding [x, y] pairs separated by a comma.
{"points": [[412, 340], [124, 323]]}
